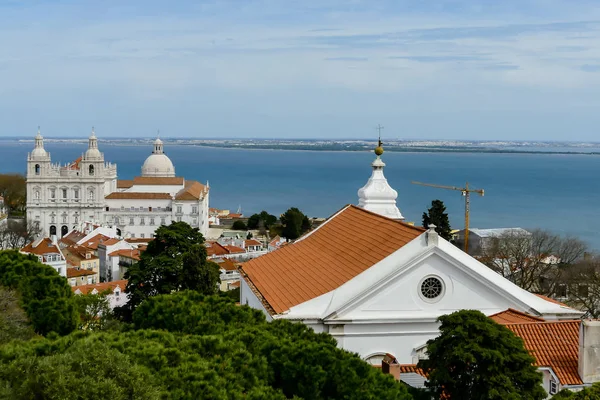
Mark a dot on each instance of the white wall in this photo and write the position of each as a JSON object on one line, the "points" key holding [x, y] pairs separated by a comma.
{"points": [[247, 297]]}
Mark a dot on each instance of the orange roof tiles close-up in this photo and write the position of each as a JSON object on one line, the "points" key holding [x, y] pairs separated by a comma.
{"points": [[227, 264], [124, 183], [348, 243], [138, 196], [152, 180], [45, 246], [252, 242], [101, 287], [134, 254], [192, 191], [554, 344], [75, 272], [234, 249], [512, 316]]}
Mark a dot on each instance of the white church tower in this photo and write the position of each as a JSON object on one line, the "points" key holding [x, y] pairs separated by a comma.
{"points": [[377, 195]]}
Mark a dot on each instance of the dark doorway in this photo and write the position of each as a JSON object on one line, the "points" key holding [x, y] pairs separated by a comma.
{"points": [[52, 230], [64, 230], [118, 232]]}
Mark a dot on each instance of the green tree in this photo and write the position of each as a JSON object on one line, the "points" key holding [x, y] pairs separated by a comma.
{"points": [[438, 216], [267, 219], [14, 323], [295, 223], [475, 358], [46, 296], [175, 260], [239, 226], [94, 311], [13, 188], [589, 393]]}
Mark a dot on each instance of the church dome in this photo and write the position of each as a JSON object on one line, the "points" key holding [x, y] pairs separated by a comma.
{"points": [[92, 151], [39, 151], [158, 164]]}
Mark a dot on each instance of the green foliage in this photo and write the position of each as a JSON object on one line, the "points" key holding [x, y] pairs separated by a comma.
{"points": [[239, 226], [295, 223], [94, 311], [438, 216], [289, 357], [14, 190], [263, 219], [175, 260], [233, 294], [589, 393], [476, 358], [14, 324], [45, 296]]}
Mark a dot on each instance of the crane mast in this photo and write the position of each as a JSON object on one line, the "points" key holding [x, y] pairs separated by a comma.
{"points": [[466, 192]]}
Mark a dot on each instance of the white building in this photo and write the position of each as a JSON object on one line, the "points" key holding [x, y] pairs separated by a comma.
{"points": [[377, 284], [62, 198], [48, 253], [115, 292]]}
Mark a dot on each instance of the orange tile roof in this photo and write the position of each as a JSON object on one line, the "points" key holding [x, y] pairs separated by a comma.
{"points": [[74, 272], [512, 316], [215, 249], [75, 164], [554, 344], [111, 241], [94, 241], [101, 287], [234, 249], [44, 247], [348, 243], [192, 191], [411, 368], [551, 300], [134, 254], [252, 242], [151, 180], [138, 240], [227, 264], [138, 196], [124, 183], [234, 285]]}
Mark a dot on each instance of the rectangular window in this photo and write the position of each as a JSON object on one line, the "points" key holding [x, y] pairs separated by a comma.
{"points": [[179, 209], [151, 221], [73, 282], [553, 387], [131, 221], [133, 235], [64, 193], [195, 222], [178, 219], [163, 221], [52, 193], [76, 193], [142, 221], [142, 235], [195, 210]]}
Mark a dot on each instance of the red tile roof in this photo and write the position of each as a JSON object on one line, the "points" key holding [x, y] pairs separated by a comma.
{"points": [[234, 249], [110, 242], [151, 180], [192, 191], [134, 254], [252, 242], [348, 243], [215, 249], [138, 196], [139, 240], [512, 316], [554, 344], [227, 264], [94, 241], [124, 184], [45, 246], [101, 287], [411, 368], [74, 272]]}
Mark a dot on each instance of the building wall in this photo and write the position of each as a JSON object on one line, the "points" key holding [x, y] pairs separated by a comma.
{"points": [[247, 297]]}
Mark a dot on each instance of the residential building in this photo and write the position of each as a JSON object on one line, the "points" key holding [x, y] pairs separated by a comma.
{"points": [[77, 276], [115, 291], [49, 253]]}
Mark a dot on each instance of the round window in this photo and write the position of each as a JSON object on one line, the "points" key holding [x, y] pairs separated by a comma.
{"points": [[432, 288]]}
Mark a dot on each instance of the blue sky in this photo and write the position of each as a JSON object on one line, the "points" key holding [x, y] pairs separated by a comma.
{"points": [[511, 69]]}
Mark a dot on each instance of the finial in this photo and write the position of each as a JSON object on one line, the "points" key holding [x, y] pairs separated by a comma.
{"points": [[39, 129], [158, 133], [379, 148]]}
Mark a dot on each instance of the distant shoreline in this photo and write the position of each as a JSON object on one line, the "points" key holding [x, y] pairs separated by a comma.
{"points": [[333, 146]]}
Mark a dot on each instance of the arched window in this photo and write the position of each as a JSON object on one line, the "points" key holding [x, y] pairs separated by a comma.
{"points": [[91, 169], [36, 194], [91, 194], [52, 230], [37, 169]]}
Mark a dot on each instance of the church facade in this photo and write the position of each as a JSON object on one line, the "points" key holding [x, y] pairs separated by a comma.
{"points": [[61, 198]]}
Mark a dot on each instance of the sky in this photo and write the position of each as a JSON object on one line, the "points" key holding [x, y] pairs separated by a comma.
{"points": [[434, 69]]}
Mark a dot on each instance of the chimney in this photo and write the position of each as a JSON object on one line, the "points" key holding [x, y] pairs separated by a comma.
{"points": [[589, 351], [432, 235], [389, 365]]}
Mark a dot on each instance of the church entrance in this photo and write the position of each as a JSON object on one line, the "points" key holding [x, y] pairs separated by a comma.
{"points": [[64, 230], [52, 230]]}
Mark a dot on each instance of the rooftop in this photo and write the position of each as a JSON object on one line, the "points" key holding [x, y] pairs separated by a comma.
{"points": [[41, 247], [138, 196], [511, 316], [152, 180], [192, 191], [348, 243], [496, 232], [100, 287], [75, 272]]}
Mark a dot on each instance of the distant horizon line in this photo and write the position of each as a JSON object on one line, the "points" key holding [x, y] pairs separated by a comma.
{"points": [[108, 138]]}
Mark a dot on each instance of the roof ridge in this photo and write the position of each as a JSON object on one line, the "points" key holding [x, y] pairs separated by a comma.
{"points": [[418, 228], [544, 322]]}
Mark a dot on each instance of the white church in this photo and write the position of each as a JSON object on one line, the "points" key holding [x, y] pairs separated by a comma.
{"points": [[61, 198], [378, 285]]}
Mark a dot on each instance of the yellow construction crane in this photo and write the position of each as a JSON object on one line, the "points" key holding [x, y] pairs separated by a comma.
{"points": [[466, 191]]}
